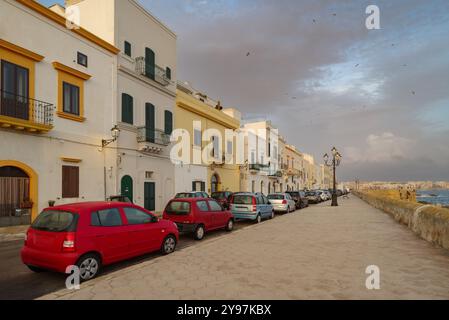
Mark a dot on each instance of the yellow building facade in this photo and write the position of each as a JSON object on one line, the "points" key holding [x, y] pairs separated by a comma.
{"points": [[195, 113]]}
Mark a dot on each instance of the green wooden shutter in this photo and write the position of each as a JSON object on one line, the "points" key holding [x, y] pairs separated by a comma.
{"points": [[168, 73], [128, 48], [127, 108], [149, 122], [193, 185], [150, 64], [168, 122]]}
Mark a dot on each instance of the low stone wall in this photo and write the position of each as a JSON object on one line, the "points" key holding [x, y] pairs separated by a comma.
{"points": [[429, 222]]}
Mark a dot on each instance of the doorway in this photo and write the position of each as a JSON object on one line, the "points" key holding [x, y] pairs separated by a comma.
{"points": [[126, 187]]}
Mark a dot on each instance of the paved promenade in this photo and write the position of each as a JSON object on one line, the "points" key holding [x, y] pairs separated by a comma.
{"points": [[316, 253]]}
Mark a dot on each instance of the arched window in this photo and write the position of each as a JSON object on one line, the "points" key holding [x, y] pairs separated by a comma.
{"points": [[261, 186]]}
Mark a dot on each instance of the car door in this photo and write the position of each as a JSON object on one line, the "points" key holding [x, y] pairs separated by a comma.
{"points": [[218, 214], [263, 202], [109, 234], [143, 232], [203, 214]]}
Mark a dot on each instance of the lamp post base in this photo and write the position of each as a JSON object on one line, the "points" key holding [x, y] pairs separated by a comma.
{"points": [[334, 200]]}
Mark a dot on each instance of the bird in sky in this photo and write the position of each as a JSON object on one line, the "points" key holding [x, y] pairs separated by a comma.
{"points": [[413, 92], [357, 65], [248, 54]]}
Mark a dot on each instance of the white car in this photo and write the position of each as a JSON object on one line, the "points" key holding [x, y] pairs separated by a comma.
{"points": [[282, 202], [322, 195]]}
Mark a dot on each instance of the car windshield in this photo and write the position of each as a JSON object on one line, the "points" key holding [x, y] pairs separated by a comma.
{"points": [[310, 193], [185, 195], [55, 221], [242, 199], [219, 195], [276, 197], [178, 207]]}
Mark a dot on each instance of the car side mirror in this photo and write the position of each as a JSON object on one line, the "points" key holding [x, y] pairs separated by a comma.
{"points": [[154, 219]]}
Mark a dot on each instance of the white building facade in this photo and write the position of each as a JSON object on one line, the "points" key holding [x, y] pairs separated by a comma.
{"points": [[145, 91], [56, 102]]}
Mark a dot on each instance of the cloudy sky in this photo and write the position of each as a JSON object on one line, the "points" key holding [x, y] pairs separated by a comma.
{"points": [[380, 96]]}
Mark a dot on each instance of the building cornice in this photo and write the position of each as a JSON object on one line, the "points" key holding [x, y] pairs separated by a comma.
{"points": [[61, 67], [22, 51], [44, 11], [191, 104]]}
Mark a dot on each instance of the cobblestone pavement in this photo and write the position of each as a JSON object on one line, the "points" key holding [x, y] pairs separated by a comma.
{"points": [[318, 253]]}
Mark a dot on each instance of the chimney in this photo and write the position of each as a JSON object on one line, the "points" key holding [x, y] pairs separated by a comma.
{"points": [[218, 106]]}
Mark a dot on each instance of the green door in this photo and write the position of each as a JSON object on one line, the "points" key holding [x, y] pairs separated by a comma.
{"points": [[126, 187], [150, 64], [150, 196], [149, 122]]}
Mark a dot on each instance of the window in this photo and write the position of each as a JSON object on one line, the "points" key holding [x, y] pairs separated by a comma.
{"points": [[55, 221], [70, 182], [71, 99], [214, 206], [136, 216], [168, 73], [202, 206], [127, 109], [229, 147], [14, 85], [197, 137], [178, 208], [216, 147], [128, 48], [106, 218], [253, 186], [82, 59], [168, 122]]}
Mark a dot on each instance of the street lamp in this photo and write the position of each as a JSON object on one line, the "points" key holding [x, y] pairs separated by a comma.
{"points": [[333, 162], [115, 132]]}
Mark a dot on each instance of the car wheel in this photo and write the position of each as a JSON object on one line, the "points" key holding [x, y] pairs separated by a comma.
{"points": [[35, 269], [272, 215], [89, 266], [288, 209], [230, 225], [259, 218], [168, 245], [199, 232]]}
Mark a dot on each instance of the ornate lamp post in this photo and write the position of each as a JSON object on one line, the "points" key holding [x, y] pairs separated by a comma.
{"points": [[334, 162]]}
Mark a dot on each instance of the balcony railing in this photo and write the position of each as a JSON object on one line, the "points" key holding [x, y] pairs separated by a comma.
{"points": [[26, 110], [275, 173], [258, 166], [155, 136], [153, 72]]}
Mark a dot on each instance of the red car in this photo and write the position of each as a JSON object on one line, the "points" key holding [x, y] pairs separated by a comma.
{"points": [[93, 234], [198, 215]]}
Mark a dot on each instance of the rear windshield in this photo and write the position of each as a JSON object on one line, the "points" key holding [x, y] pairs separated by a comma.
{"points": [[310, 193], [219, 195], [178, 207], [242, 199], [185, 195], [276, 196], [295, 194], [55, 221]]}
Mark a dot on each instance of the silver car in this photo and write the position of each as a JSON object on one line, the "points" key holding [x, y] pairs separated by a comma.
{"points": [[282, 202]]}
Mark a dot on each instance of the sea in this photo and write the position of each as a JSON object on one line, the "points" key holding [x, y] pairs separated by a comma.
{"points": [[433, 196]]}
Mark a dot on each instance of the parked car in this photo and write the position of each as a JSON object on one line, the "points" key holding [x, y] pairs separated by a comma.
{"points": [[282, 202], [313, 197], [322, 195], [193, 194], [300, 198], [198, 216], [329, 194], [251, 206], [222, 197], [339, 193], [94, 234], [119, 198]]}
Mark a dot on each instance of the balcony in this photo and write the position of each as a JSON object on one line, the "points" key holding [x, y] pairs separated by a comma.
{"points": [[293, 172], [152, 140], [275, 174], [25, 114], [258, 167], [157, 73]]}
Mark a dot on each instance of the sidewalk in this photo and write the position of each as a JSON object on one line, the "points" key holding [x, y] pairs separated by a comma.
{"points": [[13, 233], [321, 252]]}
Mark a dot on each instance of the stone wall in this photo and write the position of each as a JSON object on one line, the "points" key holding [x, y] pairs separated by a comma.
{"points": [[429, 222]]}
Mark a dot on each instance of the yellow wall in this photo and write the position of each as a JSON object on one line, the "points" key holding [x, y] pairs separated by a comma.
{"points": [[187, 110]]}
